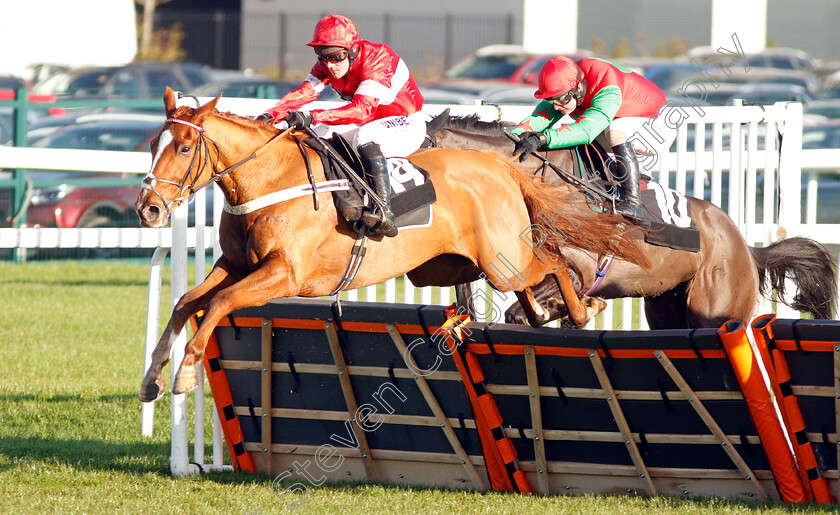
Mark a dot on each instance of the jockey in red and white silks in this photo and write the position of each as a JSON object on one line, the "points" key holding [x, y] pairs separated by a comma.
{"points": [[383, 117], [384, 98]]}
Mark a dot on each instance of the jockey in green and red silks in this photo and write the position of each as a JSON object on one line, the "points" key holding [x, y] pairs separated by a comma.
{"points": [[608, 102]]}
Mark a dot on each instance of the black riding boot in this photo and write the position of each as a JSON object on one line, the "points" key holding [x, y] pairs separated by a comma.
{"points": [[630, 205], [376, 167]]}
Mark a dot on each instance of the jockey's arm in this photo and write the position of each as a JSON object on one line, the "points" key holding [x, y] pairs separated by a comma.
{"points": [[590, 124], [293, 100], [359, 111], [542, 117]]}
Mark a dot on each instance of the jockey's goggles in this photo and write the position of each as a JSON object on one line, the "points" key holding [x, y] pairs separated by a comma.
{"points": [[336, 57], [564, 97]]}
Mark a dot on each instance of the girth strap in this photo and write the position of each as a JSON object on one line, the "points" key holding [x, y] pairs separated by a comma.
{"points": [[357, 254]]}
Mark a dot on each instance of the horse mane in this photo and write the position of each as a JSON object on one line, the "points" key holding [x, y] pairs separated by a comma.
{"points": [[473, 124], [603, 233], [244, 120], [233, 117]]}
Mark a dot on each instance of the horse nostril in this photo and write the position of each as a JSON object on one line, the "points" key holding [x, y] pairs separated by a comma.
{"points": [[151, 213]]}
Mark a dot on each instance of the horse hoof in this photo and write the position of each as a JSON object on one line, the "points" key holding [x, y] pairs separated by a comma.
{"points": [[184, 384], [151, 392]]}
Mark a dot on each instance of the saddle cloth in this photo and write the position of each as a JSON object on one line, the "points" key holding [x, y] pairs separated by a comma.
{"points": [[668, 220], [412, 191]]}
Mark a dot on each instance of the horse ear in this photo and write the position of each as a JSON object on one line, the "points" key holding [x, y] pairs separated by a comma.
{"points": [[204, 111], [169, 101]]}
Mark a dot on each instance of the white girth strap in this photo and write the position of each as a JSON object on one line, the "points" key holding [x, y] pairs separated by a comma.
{"points": [[287, 194]]}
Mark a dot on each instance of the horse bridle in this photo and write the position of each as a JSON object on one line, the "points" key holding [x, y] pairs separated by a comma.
{"points": [[150, 180]]}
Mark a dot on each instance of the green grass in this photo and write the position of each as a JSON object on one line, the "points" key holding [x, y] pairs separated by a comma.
{"points": [[71, 346]]}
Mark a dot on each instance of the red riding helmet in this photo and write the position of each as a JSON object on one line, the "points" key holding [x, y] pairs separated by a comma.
{"points": [[335, 30], [557, 76]]}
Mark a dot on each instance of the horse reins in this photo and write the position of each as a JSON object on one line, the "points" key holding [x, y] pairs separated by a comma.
{"points": [[202, 140], [566, 175]]}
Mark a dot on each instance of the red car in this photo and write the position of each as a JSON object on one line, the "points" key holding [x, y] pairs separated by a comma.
{"points": [[495, 65], [62, 199]]}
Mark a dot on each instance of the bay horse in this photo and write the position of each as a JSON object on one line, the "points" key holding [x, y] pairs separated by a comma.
{"points": [[291, 248], [682, 290]]}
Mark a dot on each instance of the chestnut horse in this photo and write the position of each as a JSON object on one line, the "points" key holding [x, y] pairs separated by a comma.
{"points": [[291, 248], [682, 290]]}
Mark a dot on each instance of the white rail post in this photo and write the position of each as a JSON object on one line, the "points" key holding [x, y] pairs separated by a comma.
{"points": [[198, 396], [179, 462], [790, 189], [736, 173], [147, 410], [218, 445]]}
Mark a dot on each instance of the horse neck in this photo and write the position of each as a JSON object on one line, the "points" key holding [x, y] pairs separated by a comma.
{"points": [[278, 163]]}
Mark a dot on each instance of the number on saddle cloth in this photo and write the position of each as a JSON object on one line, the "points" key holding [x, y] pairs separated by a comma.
{"points": [[410, 186]]}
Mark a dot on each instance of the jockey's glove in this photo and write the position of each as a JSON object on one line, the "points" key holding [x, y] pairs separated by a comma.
{"points": [[529, 142], [265, 117], [299, 120]]}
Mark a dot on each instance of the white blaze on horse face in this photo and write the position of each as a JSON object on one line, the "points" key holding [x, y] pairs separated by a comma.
{"points": [[163, 142]]}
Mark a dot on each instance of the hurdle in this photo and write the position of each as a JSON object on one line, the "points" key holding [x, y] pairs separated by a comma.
{"points": [[384, 392]]}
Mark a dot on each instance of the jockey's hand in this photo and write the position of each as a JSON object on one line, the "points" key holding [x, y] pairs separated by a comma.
{"points": [[529, 142], [299, 120], [265, 117]]}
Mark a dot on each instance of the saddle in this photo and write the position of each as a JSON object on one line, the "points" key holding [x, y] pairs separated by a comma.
{"points": [[667, 220], [412, 192]]}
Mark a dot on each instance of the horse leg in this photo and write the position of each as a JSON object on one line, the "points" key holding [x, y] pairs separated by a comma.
{"points": [[463, 294], [590, 308], [580, 311], [537, 315], [272, 280], [152, 386], [557, 294]]}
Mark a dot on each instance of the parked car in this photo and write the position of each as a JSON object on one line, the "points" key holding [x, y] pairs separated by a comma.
{"points": [[827, 108], [48, 124], [446, 96], [668, 75], [774, 57], [141, 80], [724, 94], [69, 204], [5, 128], [254, 87], [8, 82], [736, 75], [504, 63], [510, 95], [822, 135]]}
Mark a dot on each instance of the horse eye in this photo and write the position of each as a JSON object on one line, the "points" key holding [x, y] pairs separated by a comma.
{"points": [[185, 149]]}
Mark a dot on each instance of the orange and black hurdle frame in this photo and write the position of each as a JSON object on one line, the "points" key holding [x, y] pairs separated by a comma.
{"points": [[416, 395]]}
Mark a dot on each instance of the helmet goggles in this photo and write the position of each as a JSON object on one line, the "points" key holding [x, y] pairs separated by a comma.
{"points": [[565, 97], [335, 57]]}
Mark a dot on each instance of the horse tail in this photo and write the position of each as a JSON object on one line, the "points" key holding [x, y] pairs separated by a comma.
{"points": [[566, 220], [809, 265]]}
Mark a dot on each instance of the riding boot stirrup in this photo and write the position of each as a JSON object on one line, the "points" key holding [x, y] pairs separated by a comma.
{"points": [[376, 167], [630, 205]]}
